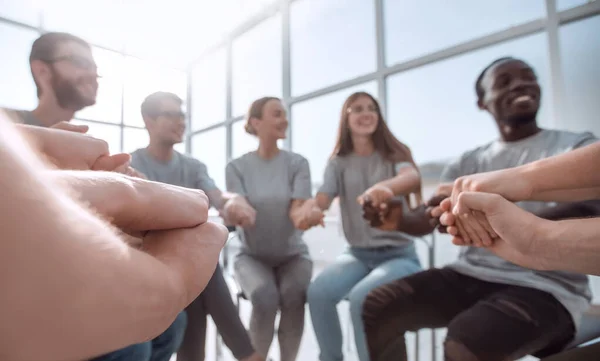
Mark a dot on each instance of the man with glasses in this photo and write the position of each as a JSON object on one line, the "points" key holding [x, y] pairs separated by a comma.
{"points": [[165, 122]]}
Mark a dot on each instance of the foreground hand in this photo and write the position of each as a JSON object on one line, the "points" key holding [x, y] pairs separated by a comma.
{"points": [[135, 205], [240, 212], [68, 126], [376, 195], [469, 227], [73, 150], [506, 183], [517, 229]]}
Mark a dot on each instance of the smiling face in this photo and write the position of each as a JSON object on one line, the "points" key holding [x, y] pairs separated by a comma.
{"points": [[272, 123], [363, 116], [512, 93], [166, 123]]}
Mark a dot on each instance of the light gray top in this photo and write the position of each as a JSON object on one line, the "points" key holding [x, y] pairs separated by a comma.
{"points": [[270, 186], [347, 178], [181, 170], [24, 117], [572, 290]]}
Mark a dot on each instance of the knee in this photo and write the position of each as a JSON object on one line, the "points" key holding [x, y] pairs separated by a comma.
{"points": [[293, 296], [376, 305], [318, 292], [265, 299], [456, 350]]}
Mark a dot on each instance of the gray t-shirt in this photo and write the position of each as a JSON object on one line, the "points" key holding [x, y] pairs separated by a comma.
{"points": [[181, 170], [270, 186], [347, 178], [570, 289], [23, 117]]}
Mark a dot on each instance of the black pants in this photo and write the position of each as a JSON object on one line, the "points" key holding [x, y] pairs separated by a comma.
{"points": [[215, 301], [486, 321]]}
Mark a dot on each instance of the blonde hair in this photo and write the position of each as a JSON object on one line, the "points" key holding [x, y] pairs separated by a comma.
{"points": [[256, 111]]}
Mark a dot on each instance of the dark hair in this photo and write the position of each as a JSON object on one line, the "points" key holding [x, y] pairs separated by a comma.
{"points": [[256, 111], [151, 105], [384, 141], [478, 88], [45, 46]]}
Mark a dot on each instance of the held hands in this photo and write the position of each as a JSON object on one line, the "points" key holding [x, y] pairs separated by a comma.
{"points": [[309, 215], [239, 212]]}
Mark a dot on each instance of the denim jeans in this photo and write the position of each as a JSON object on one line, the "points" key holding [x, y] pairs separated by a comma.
{"points": [[160, 348], [354, 273]]}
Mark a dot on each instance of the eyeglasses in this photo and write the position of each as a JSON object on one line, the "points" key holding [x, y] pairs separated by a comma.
{"points": [[358, 109], [77, 61]]}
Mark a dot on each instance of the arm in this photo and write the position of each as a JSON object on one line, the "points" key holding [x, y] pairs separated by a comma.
{"points": [[304, 210], [406, 181], [237, 210], [59, 266], [329, 189]]}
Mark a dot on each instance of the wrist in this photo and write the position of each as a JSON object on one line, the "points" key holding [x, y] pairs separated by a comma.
{"points": [[543, 247]]}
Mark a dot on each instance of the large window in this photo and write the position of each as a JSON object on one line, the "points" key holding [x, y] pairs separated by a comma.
{"points": [[210, 148], [580, 51], [315, 124], [433, 108], [26, 11], [98, 21], [142, 79], [134, 139], [331, 41], [256, 64], [209, 86], [17, 89], [241, 141], [108, 100], [567, 4], [418, 27]]}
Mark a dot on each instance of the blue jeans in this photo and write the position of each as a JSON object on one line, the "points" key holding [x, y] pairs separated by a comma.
{"points": [[160, 348], [354, 273]]}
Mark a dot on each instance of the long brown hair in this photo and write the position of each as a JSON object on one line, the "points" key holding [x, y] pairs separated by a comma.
{"points": [[385, 143]]}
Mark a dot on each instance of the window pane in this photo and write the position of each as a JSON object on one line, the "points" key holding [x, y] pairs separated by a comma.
{"points": [[88, 19], [581, 76], [108, 101], [256, 64], [436, 105], [25, 11], [142, 79], [180, 147], [17, 89], [331, 41], [209, 85], [134, 139], [210, 148], [568, 4], [109, 133], [407, 36], [243, 142], [315, 124]]}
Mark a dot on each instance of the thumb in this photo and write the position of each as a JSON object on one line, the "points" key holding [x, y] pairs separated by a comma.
{"points": [[111, 162], [477, 201]]}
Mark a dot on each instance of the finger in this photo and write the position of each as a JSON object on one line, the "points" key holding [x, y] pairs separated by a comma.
{"points": [[436, 212], [446, 204], [447, 219], [452, 230], [458, 241], [477, 201], [461, 231], [482, 220], [111, 162], [480, 236]]}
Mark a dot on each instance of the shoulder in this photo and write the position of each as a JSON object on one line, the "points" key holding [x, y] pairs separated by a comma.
{"points": [[189, 161], [241, 160], [294, 159], [137, 154], [15, 115], [466, 163], [572, 139]]}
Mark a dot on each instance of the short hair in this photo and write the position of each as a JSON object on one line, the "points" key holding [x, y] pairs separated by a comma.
{"points": [[44, 48], [478, 88], [151, 105], [256, 111]]}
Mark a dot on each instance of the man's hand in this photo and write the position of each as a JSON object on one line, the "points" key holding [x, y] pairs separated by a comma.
{"points": [[376, 195], [387, 217], [506, 183], [68, 126], [434, 210], [135, 205], [73, 150], [240, 212], [517, 230]]}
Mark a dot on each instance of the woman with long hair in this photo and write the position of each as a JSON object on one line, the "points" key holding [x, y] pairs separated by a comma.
{"points": [[273, 268], [368, 165]]}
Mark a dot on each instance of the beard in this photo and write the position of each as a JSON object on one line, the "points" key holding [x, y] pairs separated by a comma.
{"points": [[67, 94], [520, 119]]}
